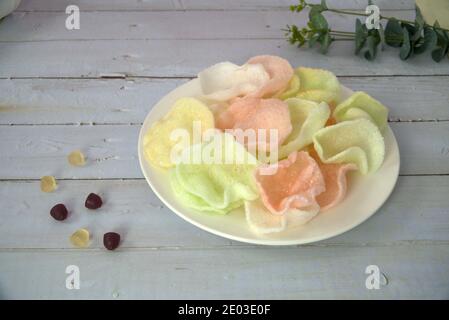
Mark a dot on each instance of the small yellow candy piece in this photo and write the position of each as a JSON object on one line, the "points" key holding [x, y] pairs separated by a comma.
{"points": [[80, 238], [76, 158], [48, 184]]}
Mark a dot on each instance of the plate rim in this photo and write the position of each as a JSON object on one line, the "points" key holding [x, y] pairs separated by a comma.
{"points": [[267, 242]]}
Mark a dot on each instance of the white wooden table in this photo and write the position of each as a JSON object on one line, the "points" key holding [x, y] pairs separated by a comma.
{"points": [[56, 95]]}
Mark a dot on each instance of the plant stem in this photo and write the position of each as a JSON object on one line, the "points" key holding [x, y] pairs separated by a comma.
{"points": [[342, 36], [342, 32], [342, 39], [354, 13], [361, 14]]}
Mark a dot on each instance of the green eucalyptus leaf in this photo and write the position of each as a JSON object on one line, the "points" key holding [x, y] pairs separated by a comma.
{"points": [[410, 28], [419, 20], [430, 37], [417, 46], [436, 24], [324, 5], [325, 42], [315, 8], [393, 33], [416, 35], [381, 33], [438, 54], [406, 48], [319, 22], [414, 32], [443, 36], [442, 45], [313, 40], [411, 37], [370, 50], [360, 36], [430, 41]]}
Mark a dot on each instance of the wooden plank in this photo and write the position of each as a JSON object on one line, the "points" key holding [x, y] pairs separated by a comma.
{"points": [[131, 208], [270, 4], [246, 273], [424, 147], [52, 101], [100, 5], [111, 151], [187, 57], [61, 101], [34, 151], [408, 98], [38, 26], [116, 5]]}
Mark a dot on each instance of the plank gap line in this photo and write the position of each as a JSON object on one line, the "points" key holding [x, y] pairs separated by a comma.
{"points": [[239, 246], [26, 180], [81, 124], [167, 77]]}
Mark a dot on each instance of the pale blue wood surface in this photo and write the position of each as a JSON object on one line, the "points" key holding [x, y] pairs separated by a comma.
{"points": [[56, 95]]}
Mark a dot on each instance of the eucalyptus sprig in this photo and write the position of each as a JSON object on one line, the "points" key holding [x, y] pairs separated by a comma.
{"points": [[412, 37]]}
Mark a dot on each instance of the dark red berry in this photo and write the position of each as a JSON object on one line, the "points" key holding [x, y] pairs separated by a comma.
{"points": [[111, 240], [93, 201], [59, 212]]}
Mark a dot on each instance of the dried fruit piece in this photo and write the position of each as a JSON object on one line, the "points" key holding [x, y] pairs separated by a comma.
{"points": [[80, 238], [93, 201], [48, 184], [77, 158], [59, 212], [111, 240]]}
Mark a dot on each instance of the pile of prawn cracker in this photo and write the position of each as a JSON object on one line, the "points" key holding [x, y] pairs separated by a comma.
{"points": [[321, 139]]}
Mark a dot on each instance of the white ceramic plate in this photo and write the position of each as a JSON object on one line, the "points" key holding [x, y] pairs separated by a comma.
{"points": [[365, 193]]}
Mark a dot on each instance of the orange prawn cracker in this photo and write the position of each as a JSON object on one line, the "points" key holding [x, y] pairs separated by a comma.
{"points": [[294, 185], [255, 113], [335, 180]]}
